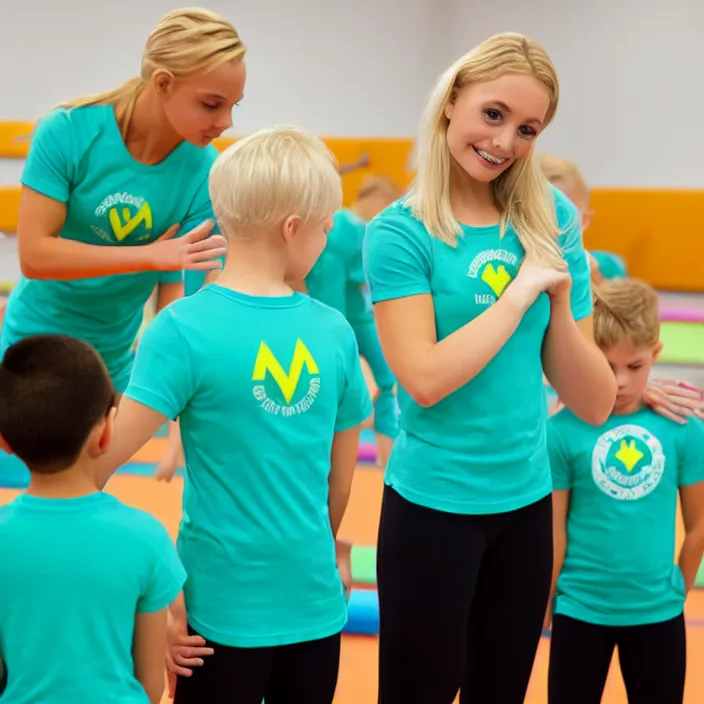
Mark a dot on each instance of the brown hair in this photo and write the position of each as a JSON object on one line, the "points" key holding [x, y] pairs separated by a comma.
{"points": [[626, 310]]}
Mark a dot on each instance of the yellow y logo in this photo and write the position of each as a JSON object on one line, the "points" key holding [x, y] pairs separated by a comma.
{"points": [[267, 362], [496, 279], [130, 224], [629, 455]]}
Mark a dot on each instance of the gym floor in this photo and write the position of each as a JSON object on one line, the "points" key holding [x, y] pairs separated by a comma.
{"points": [[357, 683]]}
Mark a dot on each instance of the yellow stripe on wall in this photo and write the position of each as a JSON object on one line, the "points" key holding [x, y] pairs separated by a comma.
{"points": [[9, 208], [14, 139]]}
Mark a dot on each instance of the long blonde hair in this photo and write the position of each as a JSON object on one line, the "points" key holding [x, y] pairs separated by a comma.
{"points": [[521, 192], [185, 42]]}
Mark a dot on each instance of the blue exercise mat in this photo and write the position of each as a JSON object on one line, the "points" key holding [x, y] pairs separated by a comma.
{"points": [[363, 613]]}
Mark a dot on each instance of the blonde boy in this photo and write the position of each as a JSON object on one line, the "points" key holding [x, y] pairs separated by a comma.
{"points": [[268, 388]]}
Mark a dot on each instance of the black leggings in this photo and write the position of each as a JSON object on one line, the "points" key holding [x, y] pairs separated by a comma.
{"points": [[462, 602], [653, 661], [286, 674]]}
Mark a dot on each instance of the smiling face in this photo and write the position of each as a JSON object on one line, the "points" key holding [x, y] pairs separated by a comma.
{"points": [[494, 123], [199, 107]]}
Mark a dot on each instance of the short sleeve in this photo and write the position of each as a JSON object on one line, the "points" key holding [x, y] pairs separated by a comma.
{"points": [[355, 403], [397, 256], [560, 464], [575, 255], [691, 453], [163, 377], [49, 166], [166, 574]]}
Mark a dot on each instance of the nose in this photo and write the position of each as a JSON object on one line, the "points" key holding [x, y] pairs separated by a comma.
{"points": [[225, 121], [622, 380], [504, 139]]}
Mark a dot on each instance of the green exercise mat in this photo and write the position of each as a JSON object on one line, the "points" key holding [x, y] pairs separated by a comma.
{"points": [[363, 565], [699, 579], [683, 343]]}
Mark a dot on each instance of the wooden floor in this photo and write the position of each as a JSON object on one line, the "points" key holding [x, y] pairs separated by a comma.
{"points": [[357, 684]]}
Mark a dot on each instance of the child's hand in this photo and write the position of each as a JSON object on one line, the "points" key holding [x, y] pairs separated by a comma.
{"points": [[166, 469], [674, 399], [183, 651], [343, 557]]}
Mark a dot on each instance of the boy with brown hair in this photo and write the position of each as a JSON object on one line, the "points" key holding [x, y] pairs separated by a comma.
{"points": [[85, 581], [614, 508]]}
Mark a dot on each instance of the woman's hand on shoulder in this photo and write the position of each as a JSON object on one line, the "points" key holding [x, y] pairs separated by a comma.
{"points": [[674, 399], [196, 250]]}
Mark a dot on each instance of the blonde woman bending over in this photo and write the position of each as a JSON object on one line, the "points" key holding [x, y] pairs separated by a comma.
{"points": [[479, 280], [112, 179]]}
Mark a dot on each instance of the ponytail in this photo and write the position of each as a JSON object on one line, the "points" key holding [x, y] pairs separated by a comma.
{"points": [[123, 97]]}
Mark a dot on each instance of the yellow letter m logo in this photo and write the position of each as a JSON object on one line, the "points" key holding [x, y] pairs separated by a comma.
{"points": [[126, 225], [266, 362]]}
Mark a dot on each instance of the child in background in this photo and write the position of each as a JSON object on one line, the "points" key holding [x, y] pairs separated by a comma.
{"points": [[337, 279], [268, 387], [615, 502], [565, 175], [669, 397], [85, 581]]}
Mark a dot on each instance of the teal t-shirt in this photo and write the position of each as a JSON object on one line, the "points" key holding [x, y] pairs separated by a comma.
{"points": [[481, 449], [337, 277], [74, 573], [623, 479], [260, 385], [79, 158]]}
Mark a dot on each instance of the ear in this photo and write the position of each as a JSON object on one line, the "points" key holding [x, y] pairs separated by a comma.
{"points": [[163, 82], [657, 350], [105, 439], [587, 219], [290, 227], [5, 447]]}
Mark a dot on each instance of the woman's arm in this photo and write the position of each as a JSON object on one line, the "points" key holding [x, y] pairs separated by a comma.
{"points": [[43, 255], [575, 367], [430, 370], [692, 501]]}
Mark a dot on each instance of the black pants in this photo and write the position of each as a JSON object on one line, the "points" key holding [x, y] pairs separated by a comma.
{"points": [[653, 660], [462, 602], [287, 674]]}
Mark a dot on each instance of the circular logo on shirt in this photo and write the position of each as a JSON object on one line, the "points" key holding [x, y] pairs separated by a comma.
{"points": [[627, 462]]}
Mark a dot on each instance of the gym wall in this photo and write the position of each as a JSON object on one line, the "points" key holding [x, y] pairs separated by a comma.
{"points": [[357, 74]]}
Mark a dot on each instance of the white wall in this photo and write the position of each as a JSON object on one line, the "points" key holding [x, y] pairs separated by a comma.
{"points": [[358, 68], [631, 70]]}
